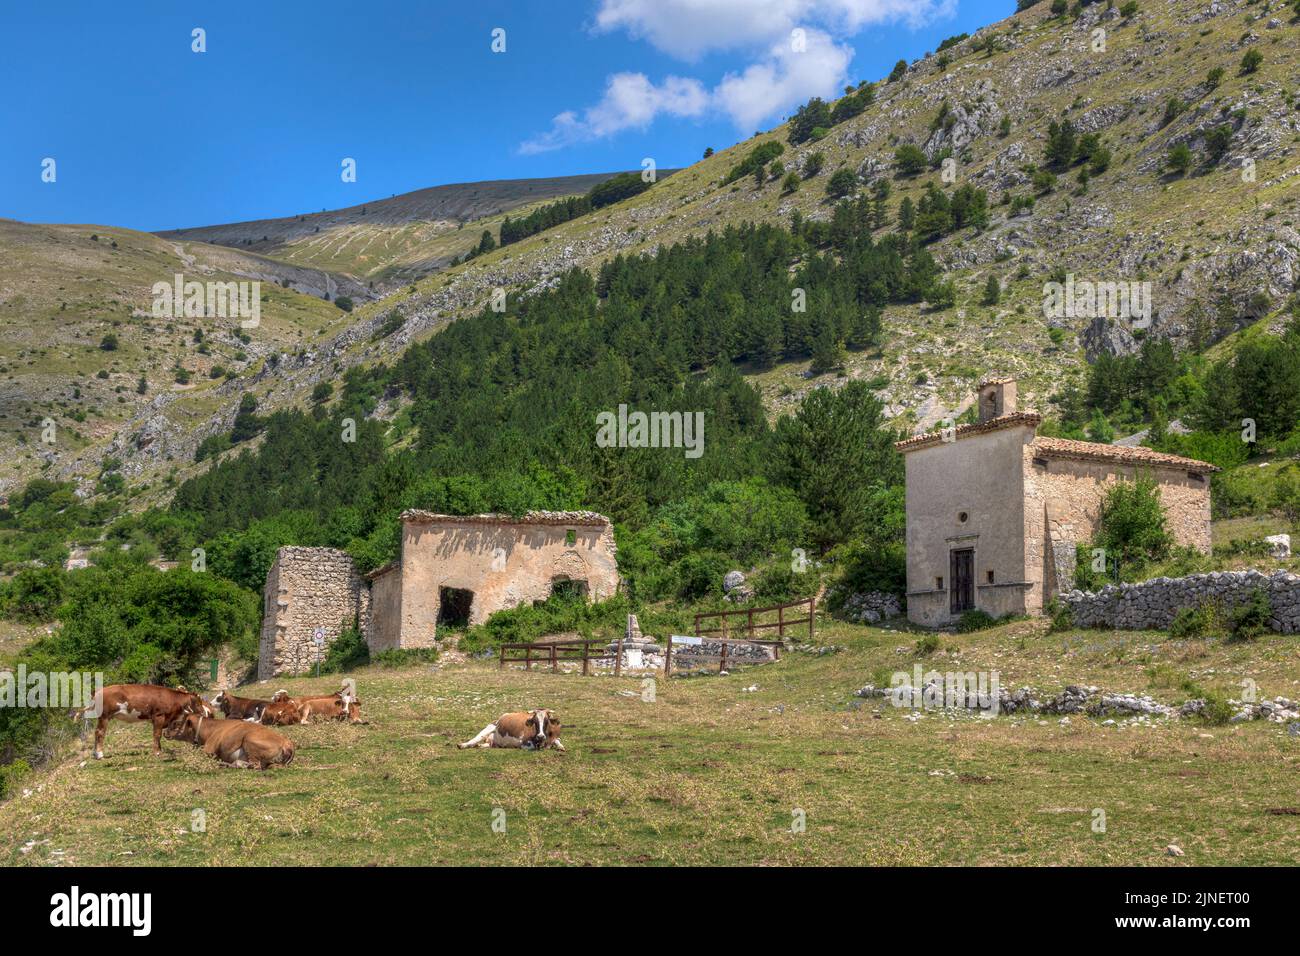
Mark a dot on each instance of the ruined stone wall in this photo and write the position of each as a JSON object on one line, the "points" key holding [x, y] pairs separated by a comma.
{"points": [[504, 561], [1152, 605], [1063, 499], [308, 588]]}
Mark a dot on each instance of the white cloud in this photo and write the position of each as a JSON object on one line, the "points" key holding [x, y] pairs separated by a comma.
{"points": [[784, 79], [631, 101], [689, 28], [779, 79]]}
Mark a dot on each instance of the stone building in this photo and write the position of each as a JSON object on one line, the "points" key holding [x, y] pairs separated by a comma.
{"points": [[454, 571], [994, 510]]}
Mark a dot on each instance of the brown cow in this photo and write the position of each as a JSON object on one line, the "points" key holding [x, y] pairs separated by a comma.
{"points": [[159, 705], [282, 710], [236, 743], [240, 708], [337, 706], [526, 729]]}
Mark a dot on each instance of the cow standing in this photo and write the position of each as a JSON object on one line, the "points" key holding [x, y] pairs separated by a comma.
{"points": [[525, 729], [132, 702]]}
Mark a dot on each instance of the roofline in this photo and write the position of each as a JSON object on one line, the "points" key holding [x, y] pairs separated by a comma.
{"points": [[1125, 455], [1031, 419], [586, 519]]}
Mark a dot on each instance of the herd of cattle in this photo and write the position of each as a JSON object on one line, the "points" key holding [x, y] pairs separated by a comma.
{"points": [[243, 737]]}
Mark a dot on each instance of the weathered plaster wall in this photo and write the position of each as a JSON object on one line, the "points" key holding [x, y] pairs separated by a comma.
{"points": [[980, 475], [385, 610], [504, 561], [308, 588]]}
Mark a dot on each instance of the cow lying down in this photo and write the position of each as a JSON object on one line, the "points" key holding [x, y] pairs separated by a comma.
{"points": [[525, 729], [236, 743], [240, 708], [283, 709]]}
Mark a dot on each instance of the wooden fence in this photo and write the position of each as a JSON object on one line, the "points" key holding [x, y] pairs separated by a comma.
{"points": [[781, 622], [749, 628], [557, 652]]}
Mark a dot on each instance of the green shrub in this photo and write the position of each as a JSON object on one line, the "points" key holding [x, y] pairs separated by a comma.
{"points": [[1217, 711], [975, 620], [927, 645], [34, 594], [1250, 620], [1060, 615], [1203, 621], [348, 651], [404, 656]]}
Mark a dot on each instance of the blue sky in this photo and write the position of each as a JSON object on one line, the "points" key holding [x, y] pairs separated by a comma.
{"points": [[147, 133]]}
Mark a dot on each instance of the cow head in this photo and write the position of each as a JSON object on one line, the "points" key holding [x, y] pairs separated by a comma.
{"points": [[185, 727], [197, 705], [279, 696], [544, 727], [220, 701]]}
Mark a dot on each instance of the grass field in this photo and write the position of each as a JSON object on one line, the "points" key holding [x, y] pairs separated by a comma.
{"points": [[715, 772]]}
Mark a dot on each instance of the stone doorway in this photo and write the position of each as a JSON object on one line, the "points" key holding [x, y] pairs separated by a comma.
{"points": [[454, 606]]}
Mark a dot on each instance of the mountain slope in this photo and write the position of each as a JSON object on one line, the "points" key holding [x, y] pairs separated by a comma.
{"points": [[396, 239], [1219, 247]]}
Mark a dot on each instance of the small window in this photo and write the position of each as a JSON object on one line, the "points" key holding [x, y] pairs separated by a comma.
{"points": [[990, 574], [1040, 462], [570, 537], [938, 584], [962, 517]]}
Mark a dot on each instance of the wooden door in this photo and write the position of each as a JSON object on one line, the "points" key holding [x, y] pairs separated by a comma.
{"points": [[962, 595]]}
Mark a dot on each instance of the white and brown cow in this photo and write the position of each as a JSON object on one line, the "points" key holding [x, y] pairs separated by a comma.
{"points": [[240, 708], [524, 729], [132, 702]]}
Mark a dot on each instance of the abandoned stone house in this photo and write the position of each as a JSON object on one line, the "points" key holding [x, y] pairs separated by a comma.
{"points": [[454, 571], [995, 511]]}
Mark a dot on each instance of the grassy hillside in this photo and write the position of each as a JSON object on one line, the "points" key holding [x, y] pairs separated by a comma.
{"points": [[77, 337], [713, 770], [390, 241], [1220, 248]]}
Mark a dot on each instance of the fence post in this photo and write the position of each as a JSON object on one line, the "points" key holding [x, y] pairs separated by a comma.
{"points": [[780, 621], [749, 623], [722, 664], [585, 648], [554, 661], [668, 656], [697, 627], [618, 659], [502, 665], [528, 657], [812, 617]]}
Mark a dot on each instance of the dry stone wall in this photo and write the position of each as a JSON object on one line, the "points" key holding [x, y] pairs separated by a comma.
{"points": [[1152, 605], [308, 588]]}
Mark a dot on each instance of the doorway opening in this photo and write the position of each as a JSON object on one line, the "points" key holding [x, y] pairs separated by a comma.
{"points": [[454, 606], [962, 570]]}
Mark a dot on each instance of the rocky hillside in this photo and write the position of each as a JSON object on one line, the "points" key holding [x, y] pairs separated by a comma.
{"points": [[1217, 241]]}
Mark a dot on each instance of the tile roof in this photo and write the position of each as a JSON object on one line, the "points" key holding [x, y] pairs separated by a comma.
{"points": [[585, 518], [962, 431], [1095, 451]]}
